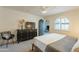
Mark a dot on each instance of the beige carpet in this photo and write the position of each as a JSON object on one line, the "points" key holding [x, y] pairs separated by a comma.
{"points": [[25, 46]]}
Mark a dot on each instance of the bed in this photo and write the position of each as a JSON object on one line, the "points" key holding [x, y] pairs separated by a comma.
{"points": [[54, 42]]}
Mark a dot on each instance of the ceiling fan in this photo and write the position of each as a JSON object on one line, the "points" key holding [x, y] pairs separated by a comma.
{"points": [[44, 9]]}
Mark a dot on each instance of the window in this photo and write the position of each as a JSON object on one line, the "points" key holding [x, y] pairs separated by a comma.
{"points": [[62, 24]]}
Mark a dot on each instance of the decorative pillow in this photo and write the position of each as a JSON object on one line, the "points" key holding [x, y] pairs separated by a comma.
{"points": [[75, 48]]}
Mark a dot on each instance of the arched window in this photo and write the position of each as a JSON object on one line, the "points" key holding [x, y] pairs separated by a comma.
{"points": [[62, 24]]}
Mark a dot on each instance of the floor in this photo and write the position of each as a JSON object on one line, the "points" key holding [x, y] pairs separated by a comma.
{"points": [[25, 46]]}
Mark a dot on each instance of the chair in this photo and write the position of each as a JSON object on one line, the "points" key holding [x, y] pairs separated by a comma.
{"points": [[7, 36]]}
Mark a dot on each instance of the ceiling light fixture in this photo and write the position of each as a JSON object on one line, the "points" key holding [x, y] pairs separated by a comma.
{"points": [[44, 9]]}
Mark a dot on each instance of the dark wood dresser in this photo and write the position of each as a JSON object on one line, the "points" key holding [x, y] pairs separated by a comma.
{"points": [[26, 34]]}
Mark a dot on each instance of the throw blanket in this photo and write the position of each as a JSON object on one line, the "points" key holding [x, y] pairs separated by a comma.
{"points": [[64, 45]]}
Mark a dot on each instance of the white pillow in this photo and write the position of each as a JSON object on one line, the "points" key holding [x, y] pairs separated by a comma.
{"points": [[75, 46]]}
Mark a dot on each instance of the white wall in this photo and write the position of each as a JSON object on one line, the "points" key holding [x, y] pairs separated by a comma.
{"points": [[9, 18]]}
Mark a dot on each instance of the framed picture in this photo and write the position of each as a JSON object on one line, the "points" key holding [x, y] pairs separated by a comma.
{"points": [[30, 25]]}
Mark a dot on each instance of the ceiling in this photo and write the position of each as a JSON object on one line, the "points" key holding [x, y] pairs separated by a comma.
{"points": [[36, 10]]}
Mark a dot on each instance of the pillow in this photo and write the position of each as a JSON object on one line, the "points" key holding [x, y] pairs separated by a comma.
{"points": [[75, 48]]}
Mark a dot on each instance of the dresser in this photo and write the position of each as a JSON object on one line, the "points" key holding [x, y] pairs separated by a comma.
{"points": [[26, 34]]}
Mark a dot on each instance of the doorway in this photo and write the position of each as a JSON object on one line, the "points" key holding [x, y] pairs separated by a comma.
{"points": [[42, 27]]}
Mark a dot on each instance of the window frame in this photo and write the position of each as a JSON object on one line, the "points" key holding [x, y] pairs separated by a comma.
{"points": [[58, 22]]}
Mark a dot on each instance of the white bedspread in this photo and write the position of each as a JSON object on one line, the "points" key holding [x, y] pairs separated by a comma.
{"points": [[42, 41]]}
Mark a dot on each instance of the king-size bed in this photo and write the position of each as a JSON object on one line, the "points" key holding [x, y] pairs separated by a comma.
{"points": [[54, 42]]}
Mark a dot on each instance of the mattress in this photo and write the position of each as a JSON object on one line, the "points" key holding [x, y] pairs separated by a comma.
{"points": [[42, 41]]}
